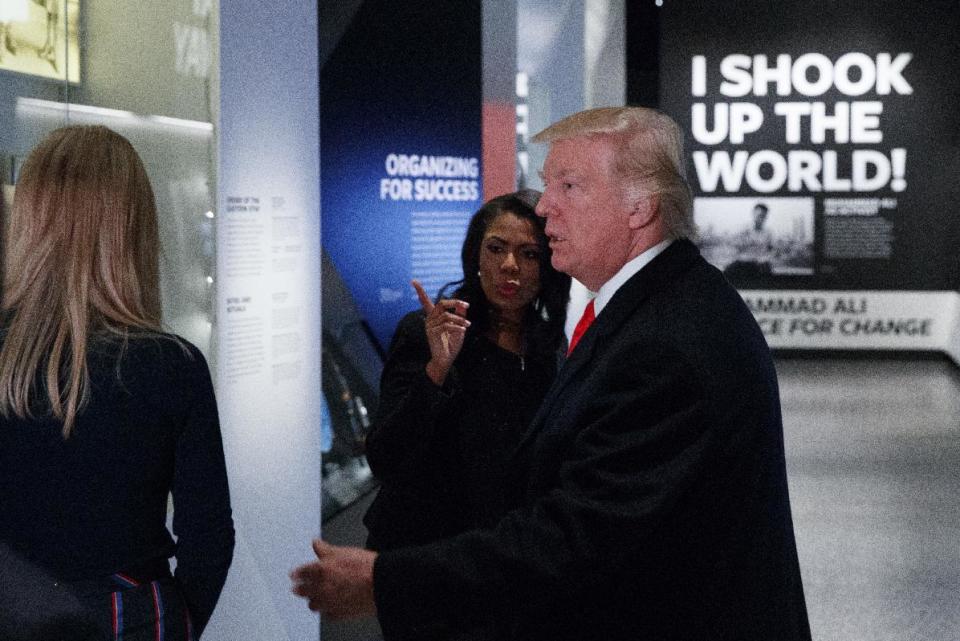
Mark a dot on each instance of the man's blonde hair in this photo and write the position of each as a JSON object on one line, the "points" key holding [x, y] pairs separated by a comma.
{"points": [[82, 258], [648, 156]]}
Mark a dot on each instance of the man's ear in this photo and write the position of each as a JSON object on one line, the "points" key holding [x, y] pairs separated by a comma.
{"points": [[646, 209]]}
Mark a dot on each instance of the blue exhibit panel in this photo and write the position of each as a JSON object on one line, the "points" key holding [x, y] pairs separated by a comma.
{"points": [[383, 230], [400, 152]]}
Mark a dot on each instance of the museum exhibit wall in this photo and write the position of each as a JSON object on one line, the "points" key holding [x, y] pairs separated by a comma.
{"points": [[234, 162], [401, 168], [401, 151], [499, 123], [268, 309]]}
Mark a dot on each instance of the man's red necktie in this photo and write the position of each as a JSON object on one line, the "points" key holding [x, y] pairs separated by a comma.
{"points": [[582, 325]]}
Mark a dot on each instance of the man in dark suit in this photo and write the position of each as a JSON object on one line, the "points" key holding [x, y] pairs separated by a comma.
{"points": [[36, 607], [655, 492]]}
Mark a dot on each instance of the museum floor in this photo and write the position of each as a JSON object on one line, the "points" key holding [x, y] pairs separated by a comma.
{"points": [[873, 449]]}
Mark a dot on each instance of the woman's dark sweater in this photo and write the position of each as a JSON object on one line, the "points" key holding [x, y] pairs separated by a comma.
{"points": [[442, 454], [96, 503]]}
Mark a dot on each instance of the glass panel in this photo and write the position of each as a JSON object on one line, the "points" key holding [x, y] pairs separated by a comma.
{"points": [[147, 71], [39, 57]]}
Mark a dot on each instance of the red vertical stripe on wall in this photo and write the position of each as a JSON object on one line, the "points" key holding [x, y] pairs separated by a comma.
{"points": [[499, 149]]}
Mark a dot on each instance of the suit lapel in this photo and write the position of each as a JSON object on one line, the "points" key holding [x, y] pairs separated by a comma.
{"points": [[661, 271]]}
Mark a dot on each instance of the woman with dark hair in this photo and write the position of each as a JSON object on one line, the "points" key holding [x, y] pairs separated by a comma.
{"points": [[463, 378], [103, 415]]}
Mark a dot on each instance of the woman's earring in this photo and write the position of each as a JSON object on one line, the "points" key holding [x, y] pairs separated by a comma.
{"points": [[479, 275]]}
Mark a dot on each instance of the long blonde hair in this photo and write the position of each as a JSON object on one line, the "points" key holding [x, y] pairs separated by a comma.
{"points": [[81, 258]]}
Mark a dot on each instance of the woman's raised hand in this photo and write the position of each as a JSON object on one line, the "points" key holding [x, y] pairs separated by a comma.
{"points": [[446, 326]]}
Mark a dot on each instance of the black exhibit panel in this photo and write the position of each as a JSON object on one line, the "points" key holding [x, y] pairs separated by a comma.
{"points": [[823, 145]]}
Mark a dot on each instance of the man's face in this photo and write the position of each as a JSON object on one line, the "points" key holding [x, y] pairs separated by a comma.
{"points": [[586, 211]]}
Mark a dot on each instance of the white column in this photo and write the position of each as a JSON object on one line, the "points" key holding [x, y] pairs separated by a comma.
{"points": [[268, 310]]}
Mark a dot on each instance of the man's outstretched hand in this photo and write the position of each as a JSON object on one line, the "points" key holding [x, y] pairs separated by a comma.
{"points": [[339, 584]]}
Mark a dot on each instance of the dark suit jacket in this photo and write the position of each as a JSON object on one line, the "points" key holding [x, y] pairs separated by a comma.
{"points": [[36, 607], [656, 493]]}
